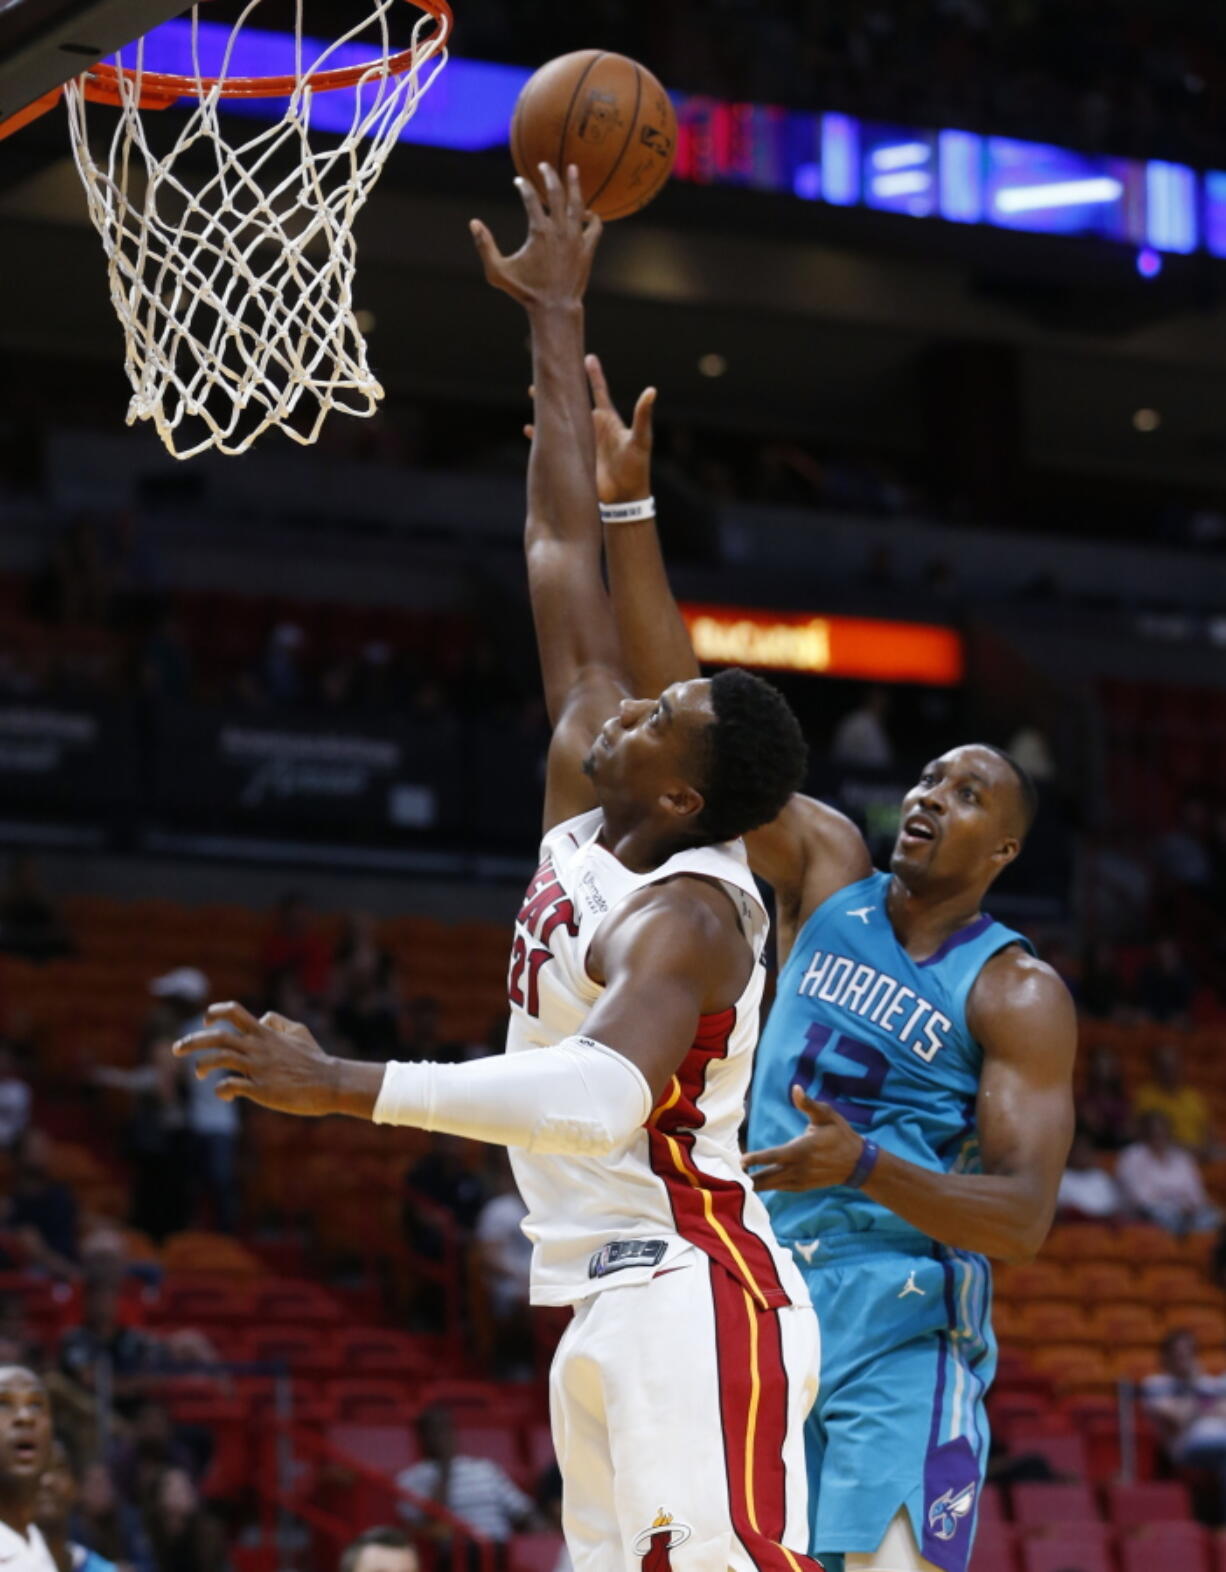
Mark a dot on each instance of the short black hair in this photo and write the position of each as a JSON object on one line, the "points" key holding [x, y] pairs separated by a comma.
{"points": [[387, 1538], [1027, 790], [756, 757]]}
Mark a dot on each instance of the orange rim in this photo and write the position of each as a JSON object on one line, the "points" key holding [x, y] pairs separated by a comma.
{"points": [[160, 89]]}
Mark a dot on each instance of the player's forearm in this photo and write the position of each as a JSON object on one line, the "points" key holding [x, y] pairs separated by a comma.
{"points": [[654, 638], [562, 467], [354, 1088], [997, 1215]]}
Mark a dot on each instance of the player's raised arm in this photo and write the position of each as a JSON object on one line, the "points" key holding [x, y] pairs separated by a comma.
{"points": [[575, 631], [1022, 1014], [810, 850]]}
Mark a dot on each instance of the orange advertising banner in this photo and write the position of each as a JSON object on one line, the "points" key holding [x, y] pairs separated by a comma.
{"points": [[859, 647]]}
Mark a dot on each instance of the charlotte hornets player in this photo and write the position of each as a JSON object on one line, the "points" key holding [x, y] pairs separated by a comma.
{"points": [[912, 1105]]}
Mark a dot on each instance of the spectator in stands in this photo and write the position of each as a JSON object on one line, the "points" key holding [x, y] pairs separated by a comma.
{"points": [[1088, 1191], [380, 1549], [1161, 1181], [446, 1176], [183, 1535], [42, 1211], [155, 1141], [283, 673], [151, 1445], [53, 1509], [30, 923], [1166, 986], [212, 1123], [861, 739], [474, 1489], [294, 945], [1182, 854], [422, 1039], [1188, 1407], [1167, 1092], [366, 1012], [15, 1098], [25, 1445], [17, 1344], [101, 1335], [166, 661], [505, 1255], [1104, 1109], [108, 1526]]}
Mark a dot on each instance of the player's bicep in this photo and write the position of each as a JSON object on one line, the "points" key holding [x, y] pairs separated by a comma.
{"points": [[1026, 1021]]}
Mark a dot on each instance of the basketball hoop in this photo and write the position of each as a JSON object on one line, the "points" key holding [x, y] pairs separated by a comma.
{"points": [[231, 260]]}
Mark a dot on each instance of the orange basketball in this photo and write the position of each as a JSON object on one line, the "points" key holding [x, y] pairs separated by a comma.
{"points": [[606, 114]]}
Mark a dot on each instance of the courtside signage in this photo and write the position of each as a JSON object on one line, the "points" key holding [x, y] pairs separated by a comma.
{"points": [[859, 647]]}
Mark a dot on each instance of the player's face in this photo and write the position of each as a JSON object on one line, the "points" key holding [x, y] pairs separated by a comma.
{"points": [[57, 1490], [25, 1427], [958, 822], [648, 749]]}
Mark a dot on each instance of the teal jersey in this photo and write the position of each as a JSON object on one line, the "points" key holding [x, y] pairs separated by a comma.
{"points": [[883, 1039]]}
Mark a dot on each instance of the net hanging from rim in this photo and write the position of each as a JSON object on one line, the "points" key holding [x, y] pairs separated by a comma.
{"points": [[231, 257]]}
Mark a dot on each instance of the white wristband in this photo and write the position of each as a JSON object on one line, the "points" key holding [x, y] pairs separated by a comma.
{"points": [[627, 512]]}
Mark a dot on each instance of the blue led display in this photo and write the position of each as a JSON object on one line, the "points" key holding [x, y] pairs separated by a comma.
{"points": [[964, 178]]}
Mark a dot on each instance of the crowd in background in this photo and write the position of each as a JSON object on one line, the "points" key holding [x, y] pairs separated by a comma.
{"points": [[1123, 76]]}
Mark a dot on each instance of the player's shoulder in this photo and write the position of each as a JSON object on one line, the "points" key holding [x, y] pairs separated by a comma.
{"points": [[1020, 989], [688, 915]]}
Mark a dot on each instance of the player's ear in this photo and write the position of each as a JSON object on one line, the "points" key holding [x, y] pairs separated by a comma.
{"points": [[683, 801], [1006, 853]]}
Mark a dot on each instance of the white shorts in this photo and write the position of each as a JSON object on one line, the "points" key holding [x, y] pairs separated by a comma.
{"points": [[678, 1413]]}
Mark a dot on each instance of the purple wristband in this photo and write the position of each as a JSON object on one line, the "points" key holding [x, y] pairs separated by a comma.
{"points": [[865, 1163]]}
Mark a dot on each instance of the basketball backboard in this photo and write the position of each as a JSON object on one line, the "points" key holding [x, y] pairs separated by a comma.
{"points": [[45, 42]]}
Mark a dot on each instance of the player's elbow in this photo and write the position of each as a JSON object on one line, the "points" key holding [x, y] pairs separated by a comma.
{"points": [[1020, 1245]]}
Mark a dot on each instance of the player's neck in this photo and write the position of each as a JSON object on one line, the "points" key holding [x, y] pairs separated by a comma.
{"points": [[17, 1510], [924, 920], [636, 846]]}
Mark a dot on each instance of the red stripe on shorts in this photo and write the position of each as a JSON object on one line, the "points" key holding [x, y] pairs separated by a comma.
{"points": [[753, 1397]]}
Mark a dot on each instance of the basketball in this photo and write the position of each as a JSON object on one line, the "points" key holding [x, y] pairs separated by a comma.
{"points": [[608, 115]]}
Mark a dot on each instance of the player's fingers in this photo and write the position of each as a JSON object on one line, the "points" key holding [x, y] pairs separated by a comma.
{"points": [[239, 1017], [644, 410], [818, 1113], [593, 228], [206, 1063], [574, 194], [598, 383], [489, 253], [770, 1157], [770, 1179], [234, 1086], [283, 1024], [210, 1037], [554, 197]]}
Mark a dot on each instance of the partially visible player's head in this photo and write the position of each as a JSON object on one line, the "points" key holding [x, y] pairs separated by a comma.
{"points": [[57, 1493], [964, 821], [25, 1437], [707, 761], [382, 1549]]}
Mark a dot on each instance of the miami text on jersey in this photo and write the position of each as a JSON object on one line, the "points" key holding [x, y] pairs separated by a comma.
{"points": [[875, 996]]}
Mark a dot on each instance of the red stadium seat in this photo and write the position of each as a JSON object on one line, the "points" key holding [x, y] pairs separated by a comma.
{"points": [[535, 1552], [1040, 1505], [995, 1548], [1064, 1454], [388, 1449], [1181, 1547], [371, 1400], [1153, 1501], [1057, 1555]]}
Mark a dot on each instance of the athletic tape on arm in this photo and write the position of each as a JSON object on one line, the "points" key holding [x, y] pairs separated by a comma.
{"points": [[577, 1098]]}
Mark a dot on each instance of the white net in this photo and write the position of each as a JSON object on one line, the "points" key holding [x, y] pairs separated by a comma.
{"points": [[231, 257]]}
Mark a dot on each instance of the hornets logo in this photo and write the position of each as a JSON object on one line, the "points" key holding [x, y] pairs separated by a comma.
{"points": [[947, 1512]]}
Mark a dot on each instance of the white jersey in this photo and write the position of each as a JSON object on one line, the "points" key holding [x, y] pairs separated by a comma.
{"points": [[677, 1183], [24, 1552]]}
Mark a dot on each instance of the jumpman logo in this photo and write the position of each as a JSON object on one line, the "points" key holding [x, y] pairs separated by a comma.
{"points": [[912, 1287], [862, 912], [807, 1250]]}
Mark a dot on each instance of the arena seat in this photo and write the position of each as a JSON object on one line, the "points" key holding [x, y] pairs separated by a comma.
{"points": [[1114, 1281], [535, 1552], [1148, 1501], [1112, 1324], [371, 1349], [371, 1401], [995, 1548], [1040, 1505], [1057, 1555], [1182, 1547], [1064, 1454], [386, 1448]]}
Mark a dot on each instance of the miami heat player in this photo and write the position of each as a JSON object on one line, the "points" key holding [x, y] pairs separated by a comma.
{"points": [[680, 1388]]}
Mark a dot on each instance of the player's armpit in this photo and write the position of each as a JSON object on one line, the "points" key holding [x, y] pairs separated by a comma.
{"points": [[670, 957]]}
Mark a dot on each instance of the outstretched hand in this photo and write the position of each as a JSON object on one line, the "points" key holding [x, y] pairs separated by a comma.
{"points": [[623, 453], [553, 265], [823, 1155], [273, 1061]]}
